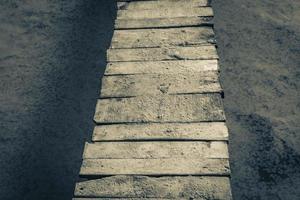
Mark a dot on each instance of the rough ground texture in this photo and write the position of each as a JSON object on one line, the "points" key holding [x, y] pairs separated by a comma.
{"points": [[53, 53], [52, 57], [259, 48]]}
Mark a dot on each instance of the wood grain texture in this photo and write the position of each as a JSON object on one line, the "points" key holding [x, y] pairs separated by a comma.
{"points": [[162, 67], [156, 84], [127, 199], [160, 108], [149, 187], [159, 150], [162, 37], [205, 52], [152, 5], [155, 167], [160, 130], [165, 12], [163, 22], [156, 131]]}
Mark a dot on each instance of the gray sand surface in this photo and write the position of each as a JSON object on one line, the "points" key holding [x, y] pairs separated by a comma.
{"points": [[52, 58], [53, 54], [259, 49]]}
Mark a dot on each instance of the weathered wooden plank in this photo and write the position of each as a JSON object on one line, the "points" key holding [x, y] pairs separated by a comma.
{"points": [[159, 150], [154, 84], [163, 22], [164, 108], [129, 1], [190, 187], [204, 52], [152, 5], [162, 67], [201, 198], [162, 37], [155, 167], [167, 12], [136, 0], [156, 131], [143, 84], [125, 199]]}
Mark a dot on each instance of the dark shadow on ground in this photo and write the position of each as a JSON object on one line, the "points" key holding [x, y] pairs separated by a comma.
{"points": [[53, 54]]}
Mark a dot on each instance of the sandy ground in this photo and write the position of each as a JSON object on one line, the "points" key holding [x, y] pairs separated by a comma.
{"points": [[53, 54], [52, 57], [259, 47]]}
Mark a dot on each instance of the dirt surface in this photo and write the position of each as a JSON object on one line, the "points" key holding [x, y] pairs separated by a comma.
{"points": [[259, 49], [52, 57], [53, 54]]}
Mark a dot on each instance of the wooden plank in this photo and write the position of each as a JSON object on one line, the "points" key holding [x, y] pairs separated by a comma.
{"points": [[167, 12], [162, 37], [123, 199], [190, 187], [158, 150], [154, 167], [136, 0], [164, 108], [136, 198], [163, 22], [168, 131], [140, 0], [162, 67], [154, 84], [152, 5], [160, 54]]}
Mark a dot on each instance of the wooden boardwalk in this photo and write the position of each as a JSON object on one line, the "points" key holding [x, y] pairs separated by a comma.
{"points": [[160, 126]]}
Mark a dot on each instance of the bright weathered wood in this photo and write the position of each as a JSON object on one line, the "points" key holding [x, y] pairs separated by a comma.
{"points": [[127, 199], [163, 22], [204, 52], [133, 199], [167, 12], [162, 149], [155, 84], [164, 108], [157, 131], [154, 167], [167, 139], [162, 37], [152, 5], [203, 188], [162, 67]]}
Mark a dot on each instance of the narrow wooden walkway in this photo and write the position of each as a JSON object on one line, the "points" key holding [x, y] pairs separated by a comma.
{"points": [[160, 130]]}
